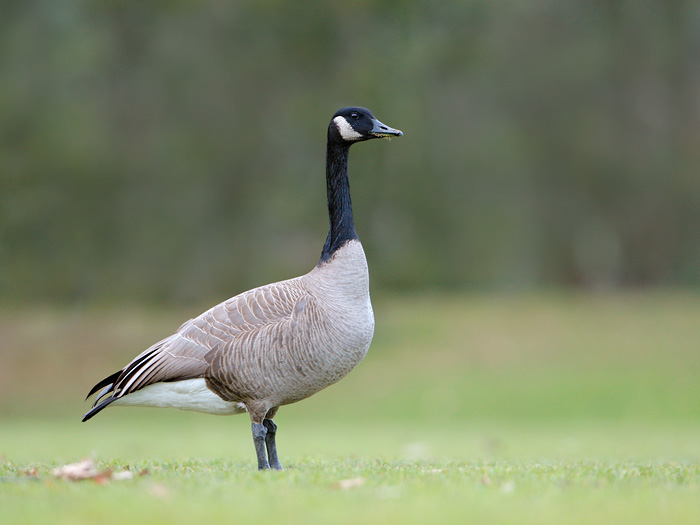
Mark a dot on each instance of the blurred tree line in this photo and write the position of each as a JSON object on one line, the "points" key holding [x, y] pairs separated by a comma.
{"points": [[174, 150]]}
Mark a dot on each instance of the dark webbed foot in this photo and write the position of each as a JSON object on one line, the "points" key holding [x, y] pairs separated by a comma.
{"points": [[271, 445]]}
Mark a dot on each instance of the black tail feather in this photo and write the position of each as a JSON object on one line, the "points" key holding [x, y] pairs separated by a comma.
{"points": [[106, 381], [109, 383], [94, 410], [136, 365]]}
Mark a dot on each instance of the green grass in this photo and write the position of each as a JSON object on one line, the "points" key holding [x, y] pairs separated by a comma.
{"points": [[202, 468], [516, 409]]}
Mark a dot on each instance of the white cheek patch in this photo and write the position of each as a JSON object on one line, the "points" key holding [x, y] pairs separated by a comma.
{"points": [[345, 129]]}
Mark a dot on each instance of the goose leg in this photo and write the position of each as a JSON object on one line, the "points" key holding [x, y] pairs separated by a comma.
{"points": [[259, 433], [271, 445]]}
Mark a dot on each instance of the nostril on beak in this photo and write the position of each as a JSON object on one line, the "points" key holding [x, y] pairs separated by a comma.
{"points": [[384, 127]]}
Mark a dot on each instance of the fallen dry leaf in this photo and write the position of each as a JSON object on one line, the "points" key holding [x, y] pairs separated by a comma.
{"points": [[346, 484], [85, 469], [102, 478]]}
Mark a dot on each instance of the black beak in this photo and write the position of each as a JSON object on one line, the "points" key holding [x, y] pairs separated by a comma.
{"points": [[382, 130]]}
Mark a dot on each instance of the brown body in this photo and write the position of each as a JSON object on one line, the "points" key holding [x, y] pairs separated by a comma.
{"points": [[266, 347]]}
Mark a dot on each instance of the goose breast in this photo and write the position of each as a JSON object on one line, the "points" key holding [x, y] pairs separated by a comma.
{"points": [[286, 341]]}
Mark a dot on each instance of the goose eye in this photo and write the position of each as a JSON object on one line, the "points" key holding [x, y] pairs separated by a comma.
{"points": [[355, 115]]}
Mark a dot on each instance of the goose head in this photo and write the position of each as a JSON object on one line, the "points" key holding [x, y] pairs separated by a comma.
{"points": [[353, 124]]}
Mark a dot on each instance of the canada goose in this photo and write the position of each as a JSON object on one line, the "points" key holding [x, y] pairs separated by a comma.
{"points": [[273, 345]]}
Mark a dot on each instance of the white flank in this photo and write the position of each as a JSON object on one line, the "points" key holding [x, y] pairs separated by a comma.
{"points": [[191, 394], [345, 129]]}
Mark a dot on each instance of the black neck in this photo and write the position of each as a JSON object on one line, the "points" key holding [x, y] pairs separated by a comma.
{"points": [[339, 206]]}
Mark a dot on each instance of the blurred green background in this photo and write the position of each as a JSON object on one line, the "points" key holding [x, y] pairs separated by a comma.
{"points": [[533, 238], [171, 151]]}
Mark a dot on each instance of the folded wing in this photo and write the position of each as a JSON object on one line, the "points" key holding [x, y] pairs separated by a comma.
{"points": [[187, 354]]}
